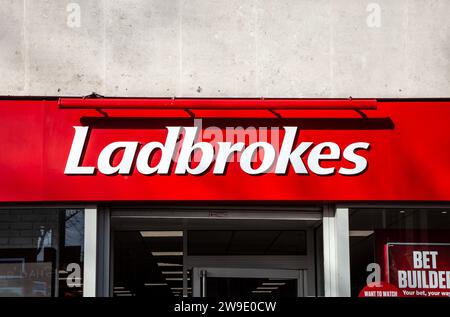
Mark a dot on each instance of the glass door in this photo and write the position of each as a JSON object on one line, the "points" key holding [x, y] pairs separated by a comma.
{"points": [[247, 282]]}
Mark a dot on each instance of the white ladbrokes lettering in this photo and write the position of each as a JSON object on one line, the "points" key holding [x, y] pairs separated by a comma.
{"points": [[279, 164]]}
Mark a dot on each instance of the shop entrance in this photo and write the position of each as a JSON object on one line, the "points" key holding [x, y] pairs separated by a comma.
{"points": [[216, 252]]}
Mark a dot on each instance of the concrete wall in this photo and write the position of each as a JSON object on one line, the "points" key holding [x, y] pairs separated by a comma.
{"points": [[226, 48]]}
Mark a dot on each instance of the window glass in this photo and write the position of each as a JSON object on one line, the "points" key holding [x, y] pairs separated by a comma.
{"points": [[41, 252], [247, 242], [402, 249]]}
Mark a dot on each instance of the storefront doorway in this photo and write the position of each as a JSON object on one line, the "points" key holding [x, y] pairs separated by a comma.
{"points": [[211, 252]]}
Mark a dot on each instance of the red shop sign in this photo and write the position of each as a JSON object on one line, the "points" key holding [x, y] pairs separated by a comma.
{"points": [[282, 149]]}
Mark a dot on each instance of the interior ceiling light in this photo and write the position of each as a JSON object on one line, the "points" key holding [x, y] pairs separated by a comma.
{"points": [[273, 284], [360, 233], [155, 284], [267, 287], [128, 294], [169, 264], [266, 292], [161, 234], [167, 253], [175, 278], [172, 272]]}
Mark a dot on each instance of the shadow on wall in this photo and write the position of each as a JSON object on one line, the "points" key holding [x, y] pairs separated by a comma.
{"points": [[385, 123]]}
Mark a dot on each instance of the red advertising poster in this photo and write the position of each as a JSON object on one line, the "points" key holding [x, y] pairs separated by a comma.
{"points": [[419, 269]]}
